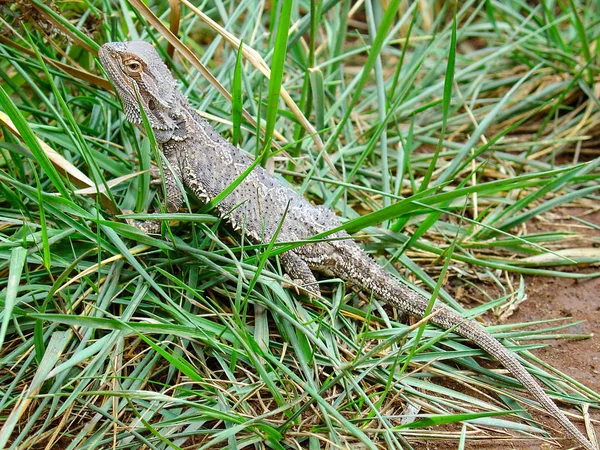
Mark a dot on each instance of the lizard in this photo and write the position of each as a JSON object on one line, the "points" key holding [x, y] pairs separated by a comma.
{"points": [[263, 208]]}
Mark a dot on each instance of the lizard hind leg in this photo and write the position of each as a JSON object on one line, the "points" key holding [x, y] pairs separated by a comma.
{"points": [[298, 272]]}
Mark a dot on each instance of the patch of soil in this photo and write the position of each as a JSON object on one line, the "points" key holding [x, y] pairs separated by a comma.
{"points": [[580, 300]]}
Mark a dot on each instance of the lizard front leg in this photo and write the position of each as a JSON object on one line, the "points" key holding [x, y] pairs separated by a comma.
{"points": [[297, 270], [173, 200]]}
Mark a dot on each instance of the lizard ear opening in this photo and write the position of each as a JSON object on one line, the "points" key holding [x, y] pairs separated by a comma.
{"points": [[157, 86], [161, 123]]}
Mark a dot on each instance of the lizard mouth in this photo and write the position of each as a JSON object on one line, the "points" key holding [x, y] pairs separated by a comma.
{"points": [[109, 59], [108, 54]]}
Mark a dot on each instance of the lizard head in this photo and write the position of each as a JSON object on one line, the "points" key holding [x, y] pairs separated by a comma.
{"points": [[138, 72]]}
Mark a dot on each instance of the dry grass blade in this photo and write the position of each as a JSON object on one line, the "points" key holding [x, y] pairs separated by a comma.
{"points": [[259, 63], [559, 255], [110, 183], [66, 168], [75, 72], [174, 22], [93, 268]]}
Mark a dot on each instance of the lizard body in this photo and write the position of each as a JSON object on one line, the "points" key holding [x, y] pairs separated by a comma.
{"points": [[206, 163]]}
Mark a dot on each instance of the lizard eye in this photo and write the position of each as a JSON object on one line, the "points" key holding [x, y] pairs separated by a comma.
{"points": [[133, 66]]}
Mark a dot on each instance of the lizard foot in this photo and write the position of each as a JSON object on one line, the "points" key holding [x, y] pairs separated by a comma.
{"points": [[147, 226], [155, 178], [298, 285]]}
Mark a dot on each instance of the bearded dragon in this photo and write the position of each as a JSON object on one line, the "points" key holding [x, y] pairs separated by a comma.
{"points": [[265, 209]]}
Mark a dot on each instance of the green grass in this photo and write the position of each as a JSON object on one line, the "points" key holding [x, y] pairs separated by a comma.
{"points": [[442, 136]]}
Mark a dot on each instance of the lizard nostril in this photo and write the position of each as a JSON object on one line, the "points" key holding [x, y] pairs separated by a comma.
{"points": [[151, 105]]}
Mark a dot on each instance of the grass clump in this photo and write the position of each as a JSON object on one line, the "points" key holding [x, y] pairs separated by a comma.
{"points": [[445, 137]]}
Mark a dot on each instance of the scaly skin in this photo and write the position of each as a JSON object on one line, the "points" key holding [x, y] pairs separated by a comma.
{"points": [[206, 163]]}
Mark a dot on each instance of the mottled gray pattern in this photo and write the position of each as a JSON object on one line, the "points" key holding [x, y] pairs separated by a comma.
{"points": [[206, 163]]}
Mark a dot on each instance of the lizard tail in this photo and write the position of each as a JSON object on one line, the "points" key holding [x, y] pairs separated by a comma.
{"points": [[492, 346], [405, 299]]}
